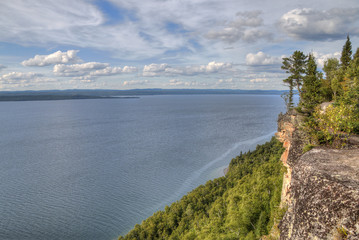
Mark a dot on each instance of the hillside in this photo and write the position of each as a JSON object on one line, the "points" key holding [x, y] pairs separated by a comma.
{"points": [[242, 205]]}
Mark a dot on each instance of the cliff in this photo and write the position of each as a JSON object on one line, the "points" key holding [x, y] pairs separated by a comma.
{"points": [[320, 187]]}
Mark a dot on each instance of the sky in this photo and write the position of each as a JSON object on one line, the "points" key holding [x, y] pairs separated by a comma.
{"points": [[198, 44]]}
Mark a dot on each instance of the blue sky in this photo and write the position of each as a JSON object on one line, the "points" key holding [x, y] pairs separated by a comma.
{"points": [[115, 44]]}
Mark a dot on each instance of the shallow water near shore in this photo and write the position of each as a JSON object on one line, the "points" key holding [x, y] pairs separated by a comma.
{"points": [[92, 169]]}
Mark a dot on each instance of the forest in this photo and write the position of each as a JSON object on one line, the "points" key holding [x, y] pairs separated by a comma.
{"points": [[242, 205]]}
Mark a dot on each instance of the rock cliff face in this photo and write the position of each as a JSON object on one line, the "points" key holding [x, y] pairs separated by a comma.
{"points": [[320, 188]]}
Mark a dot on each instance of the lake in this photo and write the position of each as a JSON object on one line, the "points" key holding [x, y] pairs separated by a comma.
{"points": [[92, 169]]}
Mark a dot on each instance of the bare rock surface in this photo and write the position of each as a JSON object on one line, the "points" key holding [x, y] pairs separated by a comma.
{"points": [[325, 196], [321, 188]]}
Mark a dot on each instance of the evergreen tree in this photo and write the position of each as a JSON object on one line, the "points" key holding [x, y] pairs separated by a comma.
{"points": [[346, 54], [311, 90], [295, 65]]}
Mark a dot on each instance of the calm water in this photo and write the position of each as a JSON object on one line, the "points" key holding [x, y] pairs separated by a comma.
{"points": [[91, 169]]}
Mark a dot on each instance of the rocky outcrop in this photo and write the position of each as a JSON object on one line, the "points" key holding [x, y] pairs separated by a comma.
{"points": [[320, 189], [287, 124]]}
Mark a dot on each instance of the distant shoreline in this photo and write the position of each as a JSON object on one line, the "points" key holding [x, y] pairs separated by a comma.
{"points": [[17, 98], [133, 93]]}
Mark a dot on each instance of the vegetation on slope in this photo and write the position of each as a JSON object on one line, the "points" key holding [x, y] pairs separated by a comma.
{"points": [[339, 86], [242, 205]]}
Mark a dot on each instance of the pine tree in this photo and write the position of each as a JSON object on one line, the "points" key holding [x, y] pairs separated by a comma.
{"points": [[346, 54], [311, 90], [295, 65]]}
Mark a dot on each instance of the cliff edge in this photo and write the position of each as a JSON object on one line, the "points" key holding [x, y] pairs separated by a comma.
{"points": [[320, 187]]}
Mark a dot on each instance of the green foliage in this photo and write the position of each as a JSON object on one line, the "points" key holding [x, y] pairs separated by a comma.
{"points": [[346, 54], [311, 90], [295, 65], [336, 121], [242, 205], [341, 84], [330, 68], [308, 147]]}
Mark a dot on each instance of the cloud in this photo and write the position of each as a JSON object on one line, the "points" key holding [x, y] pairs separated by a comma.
{"points": [[229, 80], [321, 58], [260, 58], [78, 69], [81, 23], [258, 80], [153, 69], [228, 83], [164, 69], [53, 58], [245, 27], [177, 83], [327, 25], [20, 79], [88, 72], [135, 82]]}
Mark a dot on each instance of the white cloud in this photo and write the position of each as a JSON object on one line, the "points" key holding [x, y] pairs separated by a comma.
{"points": [[260, 58], [229, 80], [20, 79], [166, 70], [153, 69], [53, 58], [217, 66], [129, 69], [321, 58], [258, 80], [227, 83], [78, 69], [177, 83], [245, 27], [81, 23], [310, 24], [135, 82], [90, 70]]}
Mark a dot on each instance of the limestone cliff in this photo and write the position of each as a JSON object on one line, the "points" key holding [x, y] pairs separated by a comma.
{"points": [[320, 188]]}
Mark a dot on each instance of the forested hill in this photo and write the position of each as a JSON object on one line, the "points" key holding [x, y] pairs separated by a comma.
{"points": [[242, 205]]}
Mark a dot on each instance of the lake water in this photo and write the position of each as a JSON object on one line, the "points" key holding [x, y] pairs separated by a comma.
{"points": [[92, 169]]}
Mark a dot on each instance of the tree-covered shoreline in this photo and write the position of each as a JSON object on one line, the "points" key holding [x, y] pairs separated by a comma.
{"points": [[242, 205]]}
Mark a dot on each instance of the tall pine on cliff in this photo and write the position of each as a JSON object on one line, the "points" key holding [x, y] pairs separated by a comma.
{"points": [[295, 65]]}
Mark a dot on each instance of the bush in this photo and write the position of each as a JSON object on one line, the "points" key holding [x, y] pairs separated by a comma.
{"points": [[337, 121]]}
